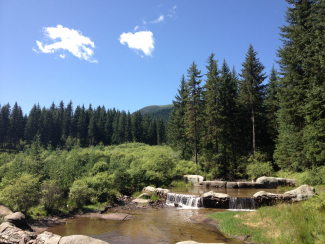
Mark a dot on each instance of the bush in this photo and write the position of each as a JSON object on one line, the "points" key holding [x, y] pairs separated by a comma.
{"points": [[79, 192], [314, 176], [257, 166], [51, 193], [21, 193]]}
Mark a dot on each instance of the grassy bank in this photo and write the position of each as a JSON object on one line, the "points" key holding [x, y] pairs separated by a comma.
{"points": [[299, 223]]}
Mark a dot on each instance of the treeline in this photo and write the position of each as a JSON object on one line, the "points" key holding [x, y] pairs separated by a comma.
{"points": [[61, 126], [232, 121]]}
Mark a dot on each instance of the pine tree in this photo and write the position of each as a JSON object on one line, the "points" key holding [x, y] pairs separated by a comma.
{"points": [[153, 132], [194, 107], [145, 125], [32, 126], [67, 120], [251, 89], [176, 126], [128, 128], [137, 130], [161, 137], [212, 112], [16, 130], [301, 118], [5, 124], [121, 127]]}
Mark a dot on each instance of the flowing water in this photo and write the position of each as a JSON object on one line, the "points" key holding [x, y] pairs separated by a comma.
{"points": [[166, 225]]}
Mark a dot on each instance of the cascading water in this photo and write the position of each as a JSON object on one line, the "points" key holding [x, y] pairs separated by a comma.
{"points": [[242, 203], [185, 201]]}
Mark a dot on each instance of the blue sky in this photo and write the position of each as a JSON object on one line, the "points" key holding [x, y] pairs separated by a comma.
{"points": [[124, 54]]}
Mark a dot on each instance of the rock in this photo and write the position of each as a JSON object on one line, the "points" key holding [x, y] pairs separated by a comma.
{"points": [[12, 234], [18, 219], [268, 182], [4, 211], [141, 200], [194, 178], [48, 238], [232, 185], [249, 185], [302, 193], [214, 194], [215, 200], [264, 193], [149, 189], [79, 239], [5, 225], [144, 195], [216, 184], [286, 182]]}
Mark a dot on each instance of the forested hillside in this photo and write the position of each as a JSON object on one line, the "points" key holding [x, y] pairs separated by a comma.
{"points": [[158, 111], [61, 126]]}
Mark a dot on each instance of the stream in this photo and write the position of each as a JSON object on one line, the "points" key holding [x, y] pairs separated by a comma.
{"points": [[163, 225]]}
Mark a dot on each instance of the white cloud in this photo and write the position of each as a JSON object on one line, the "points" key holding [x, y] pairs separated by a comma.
{"points": [[135, 28], [172, 12], [161, 18], [142, 40], [35, 50], [144, 22], [70, 40]]}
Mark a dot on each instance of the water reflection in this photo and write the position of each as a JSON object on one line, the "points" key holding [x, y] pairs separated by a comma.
{"points": [[167, 225]]}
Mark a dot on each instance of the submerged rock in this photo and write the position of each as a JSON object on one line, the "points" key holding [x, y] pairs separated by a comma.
{"points": [[302, 193]]}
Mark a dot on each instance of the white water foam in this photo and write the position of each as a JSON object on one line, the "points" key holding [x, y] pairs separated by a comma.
{"points": [[184, 201]]}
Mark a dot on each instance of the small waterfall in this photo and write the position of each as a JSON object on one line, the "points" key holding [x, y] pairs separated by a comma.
{"points": [[242, 203], [185, 201]]}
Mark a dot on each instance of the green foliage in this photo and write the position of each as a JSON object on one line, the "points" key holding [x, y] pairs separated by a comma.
{"points": [[314, 176], [99, 167], [20, 193], [79, 192], [51, 194], [258, 167]]}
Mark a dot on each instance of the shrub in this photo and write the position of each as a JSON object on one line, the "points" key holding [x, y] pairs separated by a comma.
{"points": [[257, 166], [79, 192], [314, 176], [51, 193], [21, 193]]}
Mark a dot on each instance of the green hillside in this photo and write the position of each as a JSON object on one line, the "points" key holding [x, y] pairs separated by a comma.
{"points": [[158, 111]]}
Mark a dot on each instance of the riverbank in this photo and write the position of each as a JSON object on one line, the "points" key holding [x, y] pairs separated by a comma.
{"points": [[301, 222]]}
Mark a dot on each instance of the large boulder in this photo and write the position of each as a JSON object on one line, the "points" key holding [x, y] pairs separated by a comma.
{"points": [[48, 238], [215, 200], [149, 189], [268, 182], [4, 211], [18, 219], [194, 178], [79, 239], [160, 191], [14, 235], [302, 193]]}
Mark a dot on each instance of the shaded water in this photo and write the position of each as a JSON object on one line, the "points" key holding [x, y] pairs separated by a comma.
{"points": [[166, 225]]}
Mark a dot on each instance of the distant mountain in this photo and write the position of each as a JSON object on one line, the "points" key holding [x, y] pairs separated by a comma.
{"points": [[158, 111]]}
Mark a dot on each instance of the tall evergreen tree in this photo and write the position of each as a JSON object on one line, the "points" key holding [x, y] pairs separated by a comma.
{"points": [[137, 129], [161, 137], [128, 128], [5, 124], [16, 130], [212, 112], [251, 89], [194, 107], [176, 125], [301, 118], [32, 126]]}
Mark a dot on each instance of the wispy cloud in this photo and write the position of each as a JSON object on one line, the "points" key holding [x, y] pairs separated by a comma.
{"points": [[67, 39], [161, 18], [172, 11], [139, 41], [144, 21], [135, 28]]}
